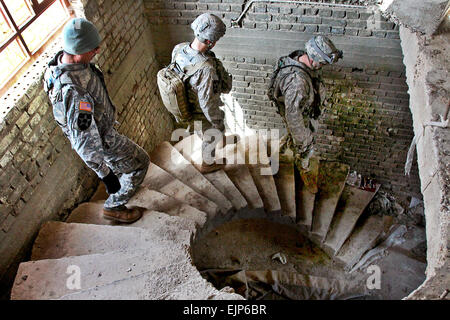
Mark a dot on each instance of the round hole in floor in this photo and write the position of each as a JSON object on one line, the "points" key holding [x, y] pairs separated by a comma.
{"points": [[265, 260]]}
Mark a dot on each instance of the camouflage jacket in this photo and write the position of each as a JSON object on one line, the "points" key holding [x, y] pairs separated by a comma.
{"points": [[82, 108], [298, 94], [206, 85]]}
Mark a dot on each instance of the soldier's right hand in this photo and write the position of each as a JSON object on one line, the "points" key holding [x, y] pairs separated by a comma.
{"points": [[111, 182]]}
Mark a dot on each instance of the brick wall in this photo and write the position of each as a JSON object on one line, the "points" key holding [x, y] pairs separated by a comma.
{"points": [[41, 177], [367, 124]]}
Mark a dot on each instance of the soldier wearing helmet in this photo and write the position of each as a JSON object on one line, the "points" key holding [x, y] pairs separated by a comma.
{"points": [[296, 91], [84, 111], [206, 85]]}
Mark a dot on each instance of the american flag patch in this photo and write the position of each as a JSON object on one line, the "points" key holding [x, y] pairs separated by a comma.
{"points": [[85, 106]]}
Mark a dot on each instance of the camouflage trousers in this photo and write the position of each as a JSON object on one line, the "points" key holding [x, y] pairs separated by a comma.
{"points": [[129, 162]]}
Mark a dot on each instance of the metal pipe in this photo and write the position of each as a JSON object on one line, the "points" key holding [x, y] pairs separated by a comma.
{"points": [[235, 22]]}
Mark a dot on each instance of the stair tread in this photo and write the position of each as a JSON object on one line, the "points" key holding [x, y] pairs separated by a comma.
{"points": [[152, 285], [363, 238], [355, 200], [92, 213], [156, 201], [285, 183], [159, 180], [180, 281], [242, 179], [304, 203], [224, 184], [47, 279], [259, 167], [198, 288], [190, 149], [169, 159], [239, 173], [58, 239], [332, 177]]}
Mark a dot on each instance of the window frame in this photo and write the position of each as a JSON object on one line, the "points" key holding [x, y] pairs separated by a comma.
{"points": [[38, 9]]}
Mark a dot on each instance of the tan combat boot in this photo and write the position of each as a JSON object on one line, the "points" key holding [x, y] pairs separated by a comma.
{"points": [[123, 214]]}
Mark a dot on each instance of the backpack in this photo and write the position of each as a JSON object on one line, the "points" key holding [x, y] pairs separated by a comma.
{"points": [[171, 84]]}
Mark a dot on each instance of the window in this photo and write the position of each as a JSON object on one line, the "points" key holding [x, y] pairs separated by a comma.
{"points": [[25, 26]]}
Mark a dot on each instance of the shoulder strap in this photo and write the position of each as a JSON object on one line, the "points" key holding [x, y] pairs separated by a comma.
{"points": [[190, 70], [177, 52]]}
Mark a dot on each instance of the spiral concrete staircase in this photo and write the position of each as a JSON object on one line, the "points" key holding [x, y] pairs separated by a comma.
{"points": [[152, 259]]}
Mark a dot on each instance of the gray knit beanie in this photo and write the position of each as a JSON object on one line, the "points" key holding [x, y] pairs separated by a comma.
{"points": [[80, 36]]}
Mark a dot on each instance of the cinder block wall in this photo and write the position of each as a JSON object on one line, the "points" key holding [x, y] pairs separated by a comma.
{"points": [[41, 177], [367, 123]]}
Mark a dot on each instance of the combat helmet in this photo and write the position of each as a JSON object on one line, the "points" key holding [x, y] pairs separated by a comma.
{"points": [[208, 26], [322, 50]]}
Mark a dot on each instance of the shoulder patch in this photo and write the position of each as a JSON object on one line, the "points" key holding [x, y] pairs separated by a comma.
{"points": [[84, 121], [85, 106]]}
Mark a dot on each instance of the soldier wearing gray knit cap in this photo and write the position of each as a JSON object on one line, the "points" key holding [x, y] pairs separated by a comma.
{"points": [[298, 93], [84, 111], [206, 85]]}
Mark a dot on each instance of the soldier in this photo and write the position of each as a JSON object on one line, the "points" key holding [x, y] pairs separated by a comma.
{"points": [[84, 111], [206, 85], [297, 92]]}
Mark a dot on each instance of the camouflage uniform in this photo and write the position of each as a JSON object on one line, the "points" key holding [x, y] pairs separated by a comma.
{"points": [[85, 113], [298, 93], [204, 87]]}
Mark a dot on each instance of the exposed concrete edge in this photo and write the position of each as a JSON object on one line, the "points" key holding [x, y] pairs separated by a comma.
{"points": [[424, 16], [427, 69]]}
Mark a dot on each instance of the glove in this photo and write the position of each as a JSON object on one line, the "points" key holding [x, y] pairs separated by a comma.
{"points": [[111, 182]]}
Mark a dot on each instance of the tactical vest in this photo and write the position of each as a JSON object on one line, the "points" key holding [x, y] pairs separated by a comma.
{"points": [[189, 63], [285, 66]]}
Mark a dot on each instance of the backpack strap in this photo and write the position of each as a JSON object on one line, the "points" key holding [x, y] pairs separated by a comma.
{"points": [[189, 70]]}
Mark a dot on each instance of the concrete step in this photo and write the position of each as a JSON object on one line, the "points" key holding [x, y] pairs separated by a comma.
{"points": [[100, 194], [363, 238], [304, 203], [224, 184], [190, 149], [169, 159], [242, 179], [285, 183], [153, 285], [48, 279], [238, 172], [156, 201], [259, 167], [332, 177], [198, 288], [58, 239], [151, 200], [159, 180], [351, 205], [176, 281]]}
